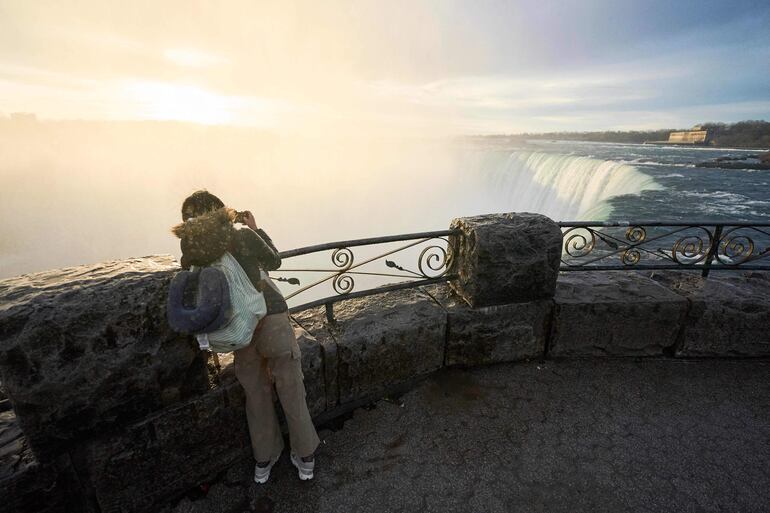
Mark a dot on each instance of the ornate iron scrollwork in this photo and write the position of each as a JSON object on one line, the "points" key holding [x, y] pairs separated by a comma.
{"points": [[636, 234], [431, 265], [631, 256], [734, 249], [343, 258], [663, 246], [691, 247], [343, 284], [577, 245], [435, 259]]}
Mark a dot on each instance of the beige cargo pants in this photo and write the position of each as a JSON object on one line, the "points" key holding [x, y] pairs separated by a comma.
{"points": [[274, 347]]}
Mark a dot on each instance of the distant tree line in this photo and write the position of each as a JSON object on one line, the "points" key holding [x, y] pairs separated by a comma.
{"points": [[752, 134]]}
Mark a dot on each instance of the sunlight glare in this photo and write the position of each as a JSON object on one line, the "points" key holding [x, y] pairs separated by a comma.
{"points": [[192, 58], [162, 101]]}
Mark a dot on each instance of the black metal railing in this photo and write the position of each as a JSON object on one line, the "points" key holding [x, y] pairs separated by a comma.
{"points": [[586, 246], [643, 245], [379, 262]]}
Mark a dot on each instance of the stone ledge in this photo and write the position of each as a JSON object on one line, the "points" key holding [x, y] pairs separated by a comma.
{"points": [[729, 314], [85, 348], [159, 458], [382, 340], [605, 313], [493, 334]]}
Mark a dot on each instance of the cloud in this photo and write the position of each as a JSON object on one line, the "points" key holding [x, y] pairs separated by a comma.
{"points": [[440, 65], [508, 93]]}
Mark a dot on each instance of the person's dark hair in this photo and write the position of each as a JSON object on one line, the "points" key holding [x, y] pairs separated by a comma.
{"points": [[198, 203]]}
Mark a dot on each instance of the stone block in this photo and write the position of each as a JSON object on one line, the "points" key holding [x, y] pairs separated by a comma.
{"points": [[614, 314], [492, 334], [86, 348], [156, 460], [729, 312], [505, 258], [386, 340]]}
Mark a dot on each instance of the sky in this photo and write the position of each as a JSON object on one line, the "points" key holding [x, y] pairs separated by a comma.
{"points": [[397, 66]]}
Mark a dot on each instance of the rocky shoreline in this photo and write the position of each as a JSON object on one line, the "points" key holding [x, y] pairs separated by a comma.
{"points": [[757, 161]]}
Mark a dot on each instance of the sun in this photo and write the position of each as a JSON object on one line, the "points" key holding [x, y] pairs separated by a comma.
{"points": [[166, 101]]}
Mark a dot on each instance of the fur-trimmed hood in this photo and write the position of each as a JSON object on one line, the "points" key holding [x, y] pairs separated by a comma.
{"points": [[206, 237]]}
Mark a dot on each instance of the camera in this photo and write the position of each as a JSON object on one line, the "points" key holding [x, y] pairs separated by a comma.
{"points": [[240, 217]]}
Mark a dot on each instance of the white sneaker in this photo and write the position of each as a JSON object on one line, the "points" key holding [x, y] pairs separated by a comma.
{"points": [[262, 474], [305, 468]]}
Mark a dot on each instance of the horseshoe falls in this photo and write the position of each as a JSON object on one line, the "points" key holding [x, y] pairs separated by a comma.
{"points": [[561, 186]]}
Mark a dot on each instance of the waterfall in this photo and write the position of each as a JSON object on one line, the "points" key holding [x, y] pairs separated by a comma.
{"points": [[563, 187]]}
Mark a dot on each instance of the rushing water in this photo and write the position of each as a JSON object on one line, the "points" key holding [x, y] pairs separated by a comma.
{"points": [[590, 181]]}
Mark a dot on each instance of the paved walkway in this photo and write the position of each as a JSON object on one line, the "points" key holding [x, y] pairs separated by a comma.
{"points": [[594, 436]]}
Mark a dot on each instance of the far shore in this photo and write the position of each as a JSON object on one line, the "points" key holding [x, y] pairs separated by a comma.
{"points": [[743, 135]]}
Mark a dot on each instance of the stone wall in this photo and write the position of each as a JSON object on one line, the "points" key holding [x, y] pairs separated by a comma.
{"points": [[727, 315], [87, 348], [114, 412], [614, 314]]}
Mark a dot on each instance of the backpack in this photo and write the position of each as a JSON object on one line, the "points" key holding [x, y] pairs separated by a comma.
{"points": [[226, 307]]}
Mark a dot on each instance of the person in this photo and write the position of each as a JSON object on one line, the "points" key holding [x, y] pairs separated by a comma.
{"points": [[207, 231]]}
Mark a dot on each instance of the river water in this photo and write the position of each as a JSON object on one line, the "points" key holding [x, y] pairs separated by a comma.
{"points": [[591, 181], [78, 195]]}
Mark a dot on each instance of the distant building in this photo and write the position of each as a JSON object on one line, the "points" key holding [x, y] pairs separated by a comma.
{"points": [[694, 136]]}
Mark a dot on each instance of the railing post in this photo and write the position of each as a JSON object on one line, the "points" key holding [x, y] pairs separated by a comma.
{"points": [[505, 258], [712, 250], [330, 312]]}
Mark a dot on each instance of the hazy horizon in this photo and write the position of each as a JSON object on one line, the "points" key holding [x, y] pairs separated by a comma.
{"points": [[32, 117]]}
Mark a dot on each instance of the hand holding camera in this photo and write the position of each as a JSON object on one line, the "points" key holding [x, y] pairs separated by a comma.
{"points": [[247, 218]]}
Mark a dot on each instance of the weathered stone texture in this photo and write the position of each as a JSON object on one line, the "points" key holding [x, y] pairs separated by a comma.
{"points": [[505, 258], [157, 459], [614, 314], [492, 334], [88, 348], [729, 313], [386, 340]]}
